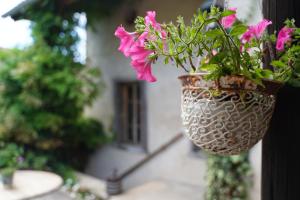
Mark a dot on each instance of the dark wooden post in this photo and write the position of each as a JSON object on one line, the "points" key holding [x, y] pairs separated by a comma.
{"points": [[281, 145]]}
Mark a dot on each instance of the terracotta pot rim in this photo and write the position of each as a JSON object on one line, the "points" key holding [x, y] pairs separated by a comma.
{"points": [[270, 86], [204, 73]]}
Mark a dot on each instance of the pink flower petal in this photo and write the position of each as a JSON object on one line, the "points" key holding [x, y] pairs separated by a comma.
{"points": [[247, 36], [284, 36], [126, 40], [143, 71], [255, 31], [228, 21], [140, 54], [147, 75], [260, 28], [280, 45], [133, 46], [150, 20]]}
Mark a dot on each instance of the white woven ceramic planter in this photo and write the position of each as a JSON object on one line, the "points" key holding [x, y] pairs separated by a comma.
{"points": [[228, 116]]}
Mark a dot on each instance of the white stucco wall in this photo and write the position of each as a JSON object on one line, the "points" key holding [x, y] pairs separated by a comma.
{"points": [[163, 102]]}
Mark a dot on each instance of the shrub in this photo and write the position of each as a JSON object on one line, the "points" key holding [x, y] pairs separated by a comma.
{"points": [[43, 93], [42, 99], [10, 158], [228, 178]]}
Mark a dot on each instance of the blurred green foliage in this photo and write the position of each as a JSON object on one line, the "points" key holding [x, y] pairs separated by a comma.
{"points": [[228, 177], [10, 159], [43, 93], [94, 9]]}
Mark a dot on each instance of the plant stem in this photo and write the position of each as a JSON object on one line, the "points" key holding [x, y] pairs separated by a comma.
{"points": [[186, 43], [228, 39], [207, 48], [182, 66], [191, 63]]}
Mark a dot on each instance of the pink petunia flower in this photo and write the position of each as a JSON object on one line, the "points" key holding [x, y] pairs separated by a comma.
{"points": [[247, 36], [260, 28], [284, 36], [143, 70], [139, 56], [133, 46], [126, 40], [255, 31], [228, 21], [150, 20]]}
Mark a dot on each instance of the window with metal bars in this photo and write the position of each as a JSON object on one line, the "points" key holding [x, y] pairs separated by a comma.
{"points": [[130, 114]]}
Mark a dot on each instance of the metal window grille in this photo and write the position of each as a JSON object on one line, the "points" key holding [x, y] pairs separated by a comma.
{"points": [[130, 113]]}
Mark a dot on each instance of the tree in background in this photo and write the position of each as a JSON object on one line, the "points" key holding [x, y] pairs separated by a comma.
{"points": [[43, 93]]}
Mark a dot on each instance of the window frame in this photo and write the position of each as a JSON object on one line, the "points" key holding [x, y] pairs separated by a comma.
{"points": [[120, 142]]}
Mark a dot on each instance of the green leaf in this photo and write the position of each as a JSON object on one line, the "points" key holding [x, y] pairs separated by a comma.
{"points": [[199, 17], [273, 38], [177, 61], [189, 51], [266, 73], [209, 67], [256, 79], [294, 82], [153, 57], [295, 49], [214, 33], [278, 63], [179, 31], [238, 30], [227, 13], [166, 60], [180, 20]]}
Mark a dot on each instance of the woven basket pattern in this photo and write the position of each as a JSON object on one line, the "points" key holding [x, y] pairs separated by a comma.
{"points": [[225, 122]]}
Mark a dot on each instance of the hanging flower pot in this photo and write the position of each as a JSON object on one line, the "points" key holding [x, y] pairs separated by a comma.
{"points": [[228, 97], [227, 116]]}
